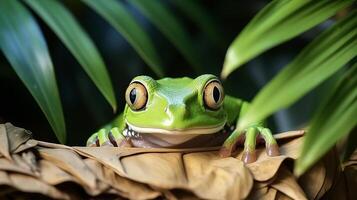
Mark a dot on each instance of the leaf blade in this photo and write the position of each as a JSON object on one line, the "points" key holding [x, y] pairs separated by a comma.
{"points": [[203, 20], [64, 25], [306, 71], [273, 25], [24, 46], [116, 15], [339, 112], [170, 26]]}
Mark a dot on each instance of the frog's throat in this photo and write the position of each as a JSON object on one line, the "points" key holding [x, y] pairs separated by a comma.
{"points": [[189, 131]]}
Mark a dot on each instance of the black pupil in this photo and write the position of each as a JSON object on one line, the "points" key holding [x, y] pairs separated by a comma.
{"points": [[132, 95], [216, 94]]}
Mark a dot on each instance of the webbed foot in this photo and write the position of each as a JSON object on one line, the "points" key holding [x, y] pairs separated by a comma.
{"points": [[108, 138], [251, 134]]}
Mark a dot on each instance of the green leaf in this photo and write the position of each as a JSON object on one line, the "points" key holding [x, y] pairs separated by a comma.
{"points": [[319, 60], [24, 46], [65, 26], [335, 118], [277, 22], [203, 20], [116, 14], [170, 26]]}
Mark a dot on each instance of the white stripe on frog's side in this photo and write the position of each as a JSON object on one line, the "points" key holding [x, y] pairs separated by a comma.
{"points": [[190, 131]]}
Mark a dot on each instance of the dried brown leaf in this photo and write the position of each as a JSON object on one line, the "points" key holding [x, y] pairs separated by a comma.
{"points": [[109, 156], [137, 173], [264, 170], [339, 191], [4, 178], [25, 146], [70, 162], [291, 147], [53, 175], [102, 186], [128, 188], [24, 164], [316, 175], [4, 143], [228, 176], [125, 187], [286, 183], [32, 185], [351, 181], [263, 193], [52, 145], [282, 196], [353, 157], [5, 183], [349, 163], [16, 136], [332, 166], [11, 166], [289, 135], [164, 170], [258, 193], [271, 194]]}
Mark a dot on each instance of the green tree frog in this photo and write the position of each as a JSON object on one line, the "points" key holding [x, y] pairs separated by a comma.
{"points": [[183, 113]]}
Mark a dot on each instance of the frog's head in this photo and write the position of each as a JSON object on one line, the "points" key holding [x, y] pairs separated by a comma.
{"points": [[173, 107]]}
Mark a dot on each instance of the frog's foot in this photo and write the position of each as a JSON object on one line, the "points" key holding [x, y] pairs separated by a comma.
{"points": [[251, 134], [108, 138]]}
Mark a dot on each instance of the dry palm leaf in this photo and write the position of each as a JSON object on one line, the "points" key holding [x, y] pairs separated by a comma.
{"points": [[31, 169]]}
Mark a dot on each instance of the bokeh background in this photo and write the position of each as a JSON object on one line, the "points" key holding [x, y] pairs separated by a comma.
{"points": [[86, 110]]}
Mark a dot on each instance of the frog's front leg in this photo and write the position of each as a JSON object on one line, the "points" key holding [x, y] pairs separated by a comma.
{"points": [[108, 138], [110, 135], [251, 134]]}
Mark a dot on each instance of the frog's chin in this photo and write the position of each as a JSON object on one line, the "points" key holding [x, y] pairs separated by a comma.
{"points": [[187, 131]]}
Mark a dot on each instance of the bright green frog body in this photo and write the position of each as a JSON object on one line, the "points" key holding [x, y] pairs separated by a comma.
{"points": [[181, 113]]}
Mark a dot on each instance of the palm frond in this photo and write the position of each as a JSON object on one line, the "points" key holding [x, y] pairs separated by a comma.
{"points": [[279, 21], [171, 27], [335, 118], [65, 26], [24, 46], [324, 56], [116, 15]]}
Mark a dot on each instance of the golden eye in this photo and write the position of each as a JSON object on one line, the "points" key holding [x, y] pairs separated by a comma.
{"points": [[213, 95], [136, 96]]}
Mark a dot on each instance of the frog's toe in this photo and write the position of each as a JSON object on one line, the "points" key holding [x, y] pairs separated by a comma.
{"points": [[249, 157], [273, 150], [103, 137], [118, 139], [93, 141], [107, 144], [271, 146], [250, 139], [225, 152], [230, 144]]}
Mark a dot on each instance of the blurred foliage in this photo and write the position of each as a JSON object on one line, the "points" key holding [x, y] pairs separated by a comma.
{"points": [[25, 48], [122, 39]]}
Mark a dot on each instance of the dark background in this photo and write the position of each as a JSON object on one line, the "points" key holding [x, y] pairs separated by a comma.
{"points": [[86, 110]]}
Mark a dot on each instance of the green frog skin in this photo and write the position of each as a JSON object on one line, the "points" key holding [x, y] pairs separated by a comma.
{"points": [[183, 113]]}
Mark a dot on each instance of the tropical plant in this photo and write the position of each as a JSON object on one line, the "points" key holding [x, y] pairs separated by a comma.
{"points": [[332, 51]]}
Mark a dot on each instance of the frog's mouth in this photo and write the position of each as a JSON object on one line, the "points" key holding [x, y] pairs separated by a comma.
{"points": [[157, 137]]}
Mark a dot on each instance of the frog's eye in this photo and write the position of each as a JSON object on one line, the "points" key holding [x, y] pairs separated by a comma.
{"points": [[136, 96], [213, 95]]}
